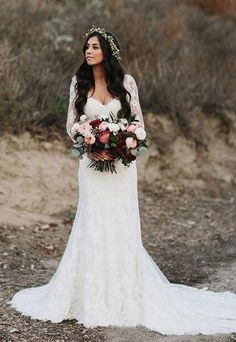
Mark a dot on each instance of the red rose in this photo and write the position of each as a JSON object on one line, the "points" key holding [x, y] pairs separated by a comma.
{"points": [[122, 139], [104, 137], [95, 123], [118, 149]]}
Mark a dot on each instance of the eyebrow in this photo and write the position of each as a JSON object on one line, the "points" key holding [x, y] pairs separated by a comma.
{"points": [[92, 44]]}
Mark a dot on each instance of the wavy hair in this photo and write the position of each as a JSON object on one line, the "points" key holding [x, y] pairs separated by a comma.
{"points": [[114, 77]]}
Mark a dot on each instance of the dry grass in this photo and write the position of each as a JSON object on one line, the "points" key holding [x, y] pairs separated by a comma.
{"points": [[215, 7], [181, 55]]}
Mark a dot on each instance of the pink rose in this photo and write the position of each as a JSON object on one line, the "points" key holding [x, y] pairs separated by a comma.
{"points": [[84, 127], [131, 142], [103, 125], [90, 139], [104, 137], [131, 128]]}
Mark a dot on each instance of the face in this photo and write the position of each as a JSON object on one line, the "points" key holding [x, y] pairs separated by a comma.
{"points": [[93, 51]]}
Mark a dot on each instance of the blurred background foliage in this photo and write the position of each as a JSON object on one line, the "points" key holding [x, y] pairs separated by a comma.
{"points": [[181, 53]]}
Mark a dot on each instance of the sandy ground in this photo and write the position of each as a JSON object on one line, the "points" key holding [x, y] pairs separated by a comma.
{"points": [[30, 168], [38, 180], [187, 227]]}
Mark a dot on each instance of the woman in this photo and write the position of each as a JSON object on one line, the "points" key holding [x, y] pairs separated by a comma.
{"points": [[106, 277]]}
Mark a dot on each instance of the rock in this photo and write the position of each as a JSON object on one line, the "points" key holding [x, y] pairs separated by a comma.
{"points": [[14, 330]]}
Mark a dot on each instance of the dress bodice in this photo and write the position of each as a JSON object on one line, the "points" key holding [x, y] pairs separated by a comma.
{"points": [[95, 109]]}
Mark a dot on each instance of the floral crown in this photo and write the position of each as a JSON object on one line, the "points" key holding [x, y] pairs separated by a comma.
{"points": [[109, 38]]}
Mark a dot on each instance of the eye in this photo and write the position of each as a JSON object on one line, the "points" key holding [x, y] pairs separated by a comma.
{"points": [[95, 47]]}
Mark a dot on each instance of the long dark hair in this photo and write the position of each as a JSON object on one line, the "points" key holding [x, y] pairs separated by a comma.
{"points": [[114, 76]]}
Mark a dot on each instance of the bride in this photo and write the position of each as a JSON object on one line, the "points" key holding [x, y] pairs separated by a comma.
{"points": [[106, 276]]}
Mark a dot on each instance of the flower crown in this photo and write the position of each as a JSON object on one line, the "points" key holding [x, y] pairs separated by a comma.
{"points": [[102, 31]]}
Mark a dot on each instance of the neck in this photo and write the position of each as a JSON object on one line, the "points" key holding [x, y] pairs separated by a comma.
{"points": [[98, 73]]}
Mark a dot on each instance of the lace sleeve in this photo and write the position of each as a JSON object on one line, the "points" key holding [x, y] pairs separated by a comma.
{"points": [[131, 86], [71, 113]]}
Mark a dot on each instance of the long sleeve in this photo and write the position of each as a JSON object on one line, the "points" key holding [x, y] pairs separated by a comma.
{"points": [[131, 86], [71, 113]]}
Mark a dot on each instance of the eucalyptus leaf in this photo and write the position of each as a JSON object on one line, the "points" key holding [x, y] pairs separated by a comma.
{"points": [[134, 152], [142, 150], [80, 139], [77, 145], [75, 152]]}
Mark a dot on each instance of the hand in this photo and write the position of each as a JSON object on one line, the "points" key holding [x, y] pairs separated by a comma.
{"points": [[101, 155]]}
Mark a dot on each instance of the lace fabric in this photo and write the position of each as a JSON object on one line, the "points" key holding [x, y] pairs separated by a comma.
{"points": [[130, 85], [71, 113], [106, 277]]}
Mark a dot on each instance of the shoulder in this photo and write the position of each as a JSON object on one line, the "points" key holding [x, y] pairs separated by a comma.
{"points": [[73, 79], [72, 83], [129, 81], [129, 78]]}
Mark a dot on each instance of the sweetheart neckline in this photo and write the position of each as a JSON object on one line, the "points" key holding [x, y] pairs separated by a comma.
{"points": [[91, 97]]}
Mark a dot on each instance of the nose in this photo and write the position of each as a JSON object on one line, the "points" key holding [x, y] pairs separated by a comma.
{"points": [[88, 53]]}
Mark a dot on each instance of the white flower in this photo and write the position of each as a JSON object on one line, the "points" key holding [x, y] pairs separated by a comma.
{"points": [[131, 142], [104, 116], [140, 133], [122, 126], [124, 121], [83, 117], [75, 128], [113, 127], [87, 134]]}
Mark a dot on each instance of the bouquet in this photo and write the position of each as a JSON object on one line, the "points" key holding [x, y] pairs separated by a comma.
{"points": [[109, 139]]}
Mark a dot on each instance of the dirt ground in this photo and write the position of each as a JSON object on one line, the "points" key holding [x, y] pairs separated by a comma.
{"points": [[190, 233], [189, 230]]}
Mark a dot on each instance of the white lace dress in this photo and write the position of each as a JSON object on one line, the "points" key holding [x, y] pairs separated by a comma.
{"points": [[105, 276]]}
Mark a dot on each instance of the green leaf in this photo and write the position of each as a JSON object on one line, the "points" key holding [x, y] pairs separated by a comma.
{"points": [[134, 152], [113, 138], [142, 150], [80, 139], [77, 145], [76, 152]]}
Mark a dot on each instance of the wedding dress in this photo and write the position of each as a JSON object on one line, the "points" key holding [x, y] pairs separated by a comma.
{"points": [[106, 276]]}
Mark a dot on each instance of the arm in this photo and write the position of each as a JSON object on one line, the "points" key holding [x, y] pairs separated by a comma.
{"points": [[134, 102], [71, 113]]}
